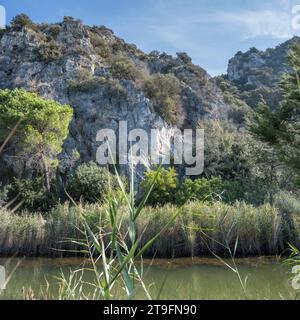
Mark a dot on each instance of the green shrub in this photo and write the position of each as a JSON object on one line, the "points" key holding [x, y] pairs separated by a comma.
{"points": [[84, 81], [54, 31], [114, 89], [50, 51], [226, 150], [100, 45], [165, 187], [22, 20], [200, 189], [238, 108], [123, 68], [249, 191], [164, 90], [32, 194], [91, 183]]}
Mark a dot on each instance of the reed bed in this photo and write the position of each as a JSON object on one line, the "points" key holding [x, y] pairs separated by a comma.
{"points": [[200, 229]]}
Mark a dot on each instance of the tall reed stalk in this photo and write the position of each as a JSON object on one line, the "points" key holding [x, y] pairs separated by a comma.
{"points": [[116, 246]]}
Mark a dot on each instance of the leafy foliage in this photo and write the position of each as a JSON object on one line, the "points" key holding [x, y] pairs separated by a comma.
{"points": [[280, 128], [226, 150], [84, 81], [164, 90], [22, 20], [123, 68], [50, 51], [165, 187], [238, 108], [30, 194], [91, 183], [200, 189], [43, 125], [100, 45]]}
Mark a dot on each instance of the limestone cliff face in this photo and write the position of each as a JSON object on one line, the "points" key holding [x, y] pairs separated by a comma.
{"points": [[257, 73], [75, 64]]}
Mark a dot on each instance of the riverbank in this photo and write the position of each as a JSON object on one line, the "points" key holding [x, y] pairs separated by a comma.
{"points": [[199, 230]]}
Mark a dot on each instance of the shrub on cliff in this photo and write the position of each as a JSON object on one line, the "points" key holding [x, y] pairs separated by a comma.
{"points": [[22, 20], [49, 52], [100, 45], [123, 68], [164, 90], [83, 81]]}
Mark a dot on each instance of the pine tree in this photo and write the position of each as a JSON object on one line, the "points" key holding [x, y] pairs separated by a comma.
{"points": [[36, 128], [280, 128]]}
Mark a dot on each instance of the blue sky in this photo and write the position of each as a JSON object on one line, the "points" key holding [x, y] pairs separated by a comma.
{"points": [[210, 31]]}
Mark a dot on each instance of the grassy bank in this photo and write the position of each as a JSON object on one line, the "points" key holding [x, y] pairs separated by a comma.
{"points": [[200, 229]]}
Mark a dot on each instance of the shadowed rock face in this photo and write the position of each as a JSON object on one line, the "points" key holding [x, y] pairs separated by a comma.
{"points": [[72, 63]]}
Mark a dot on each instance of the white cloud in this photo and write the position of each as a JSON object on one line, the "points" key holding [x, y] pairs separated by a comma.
{"points": [[275, 24]]}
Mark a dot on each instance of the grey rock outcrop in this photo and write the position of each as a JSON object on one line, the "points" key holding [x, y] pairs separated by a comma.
{"points": [[71, 63], [257, 73]]}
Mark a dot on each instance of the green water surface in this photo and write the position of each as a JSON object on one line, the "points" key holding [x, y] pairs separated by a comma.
{"points": [[182, 279]]}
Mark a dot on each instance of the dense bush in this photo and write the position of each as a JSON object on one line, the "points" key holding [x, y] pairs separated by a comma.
{"points": [[21, 21], [252, 191], [165, 187], [200, 189], [226, 150], [91, 183], [115, 90], [54, 31], [238, 111], [83, 80], [30, 194], [50, 51], [169, 189], [100, 45], [164, 90], [123, 68]]}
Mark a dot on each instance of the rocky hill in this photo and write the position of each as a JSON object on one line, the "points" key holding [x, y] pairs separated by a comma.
{"points": [[105, 80], [256, 73]]}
